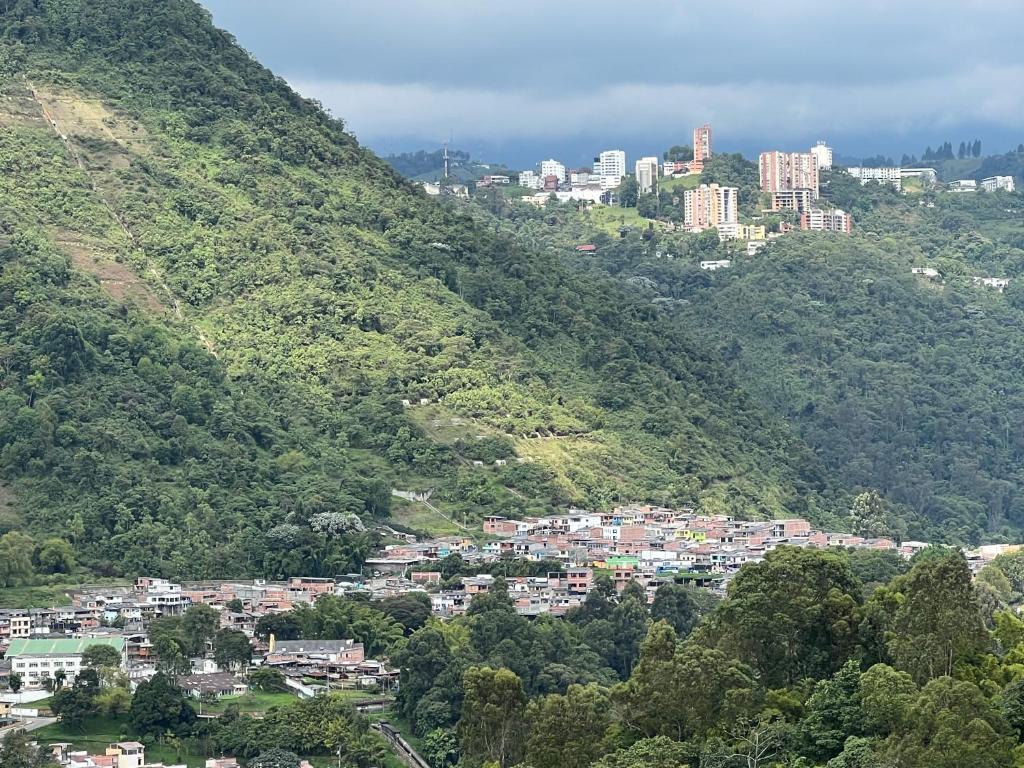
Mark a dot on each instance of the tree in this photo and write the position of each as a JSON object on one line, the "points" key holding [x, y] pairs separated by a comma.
{"points": [[430, 681], [567, 730], [411, 610], [198, 626], [659, 752], [266, 679], [231, 649], [792, 616], [886, 696], [55, 556], [493, 726], [628, 192], [673, 603], [74, 705], [283, 626], [101, 655], [17, 750], [952, 725], [441, 748], [679, 153], [683, 690], [833, 713], [14, 682], [275, 758], [15, 559], [234, 605], [159, 706], [113, 702], [939, 622]]}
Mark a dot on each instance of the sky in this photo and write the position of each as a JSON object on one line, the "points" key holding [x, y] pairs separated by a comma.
{"points": [[517, 82]]}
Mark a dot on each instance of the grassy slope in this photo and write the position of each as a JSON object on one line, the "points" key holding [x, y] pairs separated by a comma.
{"points": [[308, 269]]}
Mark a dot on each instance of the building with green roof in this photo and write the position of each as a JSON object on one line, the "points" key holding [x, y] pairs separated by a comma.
{"points": [[37, 659]]}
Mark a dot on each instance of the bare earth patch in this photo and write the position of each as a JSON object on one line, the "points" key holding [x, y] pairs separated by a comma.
{"points": [[117, 279]]}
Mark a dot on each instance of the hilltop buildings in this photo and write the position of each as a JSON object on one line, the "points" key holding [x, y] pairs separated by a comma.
{"points": [[995, 183], [788, 170], [610, 167], [647, 174], [702, 143], [822, 155], [817, 220], [891, 176], [710, 205]]}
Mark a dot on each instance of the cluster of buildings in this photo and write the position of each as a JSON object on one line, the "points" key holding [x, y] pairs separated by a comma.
{"points": [[646, 544], [37, 643], [126, 754], [596, 184], [793, 180]]}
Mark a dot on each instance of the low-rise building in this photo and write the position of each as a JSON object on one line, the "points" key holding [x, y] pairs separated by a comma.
{"points": [[39, 659], [963, 185], [891, 176], [996, 183]]}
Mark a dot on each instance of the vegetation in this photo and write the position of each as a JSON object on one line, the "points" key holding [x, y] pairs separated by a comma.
{"points": [[214, 302], [796, 667]]}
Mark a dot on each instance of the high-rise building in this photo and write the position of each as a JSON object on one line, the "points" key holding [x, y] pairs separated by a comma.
{"points": [[610, 165], [710, 205], [702, 142], [553, 168], [788, 170], [823, 154], [647, 174]]}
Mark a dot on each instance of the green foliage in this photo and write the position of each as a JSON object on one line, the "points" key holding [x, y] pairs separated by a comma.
{"points": [[159, 706], [231, 649], [493, 724], [794, 615], [100, 655]]}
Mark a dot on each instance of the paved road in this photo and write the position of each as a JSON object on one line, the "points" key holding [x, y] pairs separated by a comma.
{"points": [[30, 724]]}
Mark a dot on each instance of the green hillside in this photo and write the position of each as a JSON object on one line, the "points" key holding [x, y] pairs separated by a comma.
{"points": [[215, 301], [899, 383]]}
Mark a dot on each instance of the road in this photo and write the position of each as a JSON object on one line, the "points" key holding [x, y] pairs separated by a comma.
{"points": [[30, 724]]}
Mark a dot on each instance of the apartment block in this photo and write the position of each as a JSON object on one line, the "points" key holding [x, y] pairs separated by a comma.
{"points": [[647, 174], [817, 220], [702, 143], [710, 205], [788, 170]]}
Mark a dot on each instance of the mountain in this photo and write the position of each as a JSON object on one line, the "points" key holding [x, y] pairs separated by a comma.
{"points": [[901, 383], [214, 303]]}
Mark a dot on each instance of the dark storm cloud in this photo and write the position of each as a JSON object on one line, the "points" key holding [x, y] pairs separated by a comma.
{"points": [[559, 68]]}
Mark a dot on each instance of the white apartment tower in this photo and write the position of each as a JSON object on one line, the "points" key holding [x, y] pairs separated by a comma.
{"points": [[823, 154], [647, 174], [610, 165], [553, 168]]}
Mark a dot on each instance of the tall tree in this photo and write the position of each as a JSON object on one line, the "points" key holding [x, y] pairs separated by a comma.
{"points": [[568, 731], [939, 621], [493, 725]]}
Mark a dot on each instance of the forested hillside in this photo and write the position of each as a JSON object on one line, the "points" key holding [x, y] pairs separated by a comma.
{"points": [[898, 382], [215, 302]]}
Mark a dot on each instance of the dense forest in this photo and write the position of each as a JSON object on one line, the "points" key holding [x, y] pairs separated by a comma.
{"points": [[839, 659], [215, 303]]}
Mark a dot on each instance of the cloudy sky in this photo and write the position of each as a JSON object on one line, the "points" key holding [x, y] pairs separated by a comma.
{"points": [[515, 81]]}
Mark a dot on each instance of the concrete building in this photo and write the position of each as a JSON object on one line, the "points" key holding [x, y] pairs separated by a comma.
{"points": [[798, 200], [37, 660], [702, 142], [823, 155], [963, 185], [995, 183], [817, 220], [788, 170], [529, 179], [928, 176], [892, 176], [610, 165], [710, 205], [711, 266], [553, 168], [647, 174]]}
